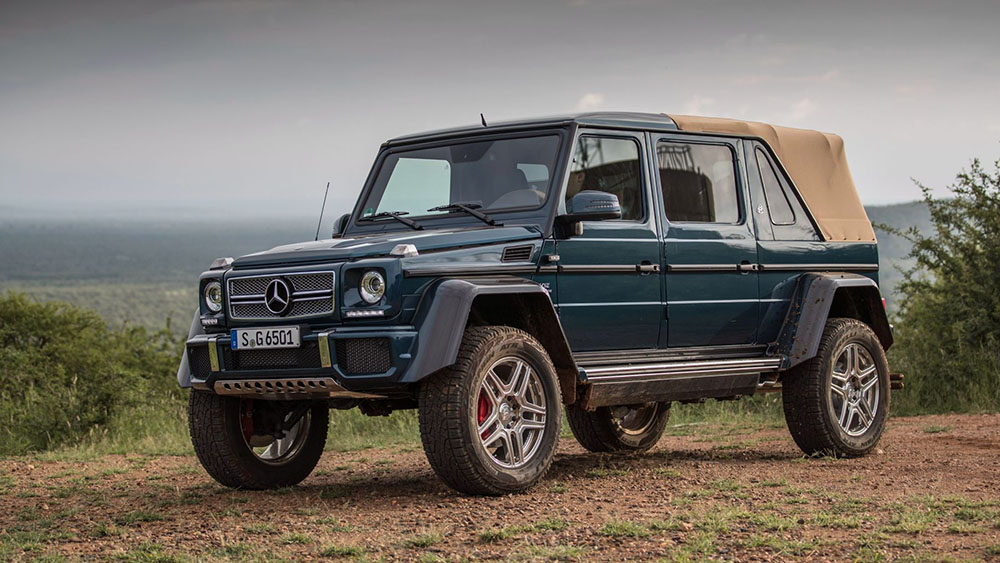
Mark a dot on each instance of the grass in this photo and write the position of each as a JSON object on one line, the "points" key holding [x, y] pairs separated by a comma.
{"points": [[296, 538], [493, 535], [342, 551], [624, 529], [423, 540], [934, 429]]}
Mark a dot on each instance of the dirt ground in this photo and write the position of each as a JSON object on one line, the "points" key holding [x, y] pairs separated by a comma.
{"points": [[931, 492]]}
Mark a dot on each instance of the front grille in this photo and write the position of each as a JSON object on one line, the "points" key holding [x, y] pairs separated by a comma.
{"points": [[517, 253], [198, 361], [311, 296], [282, 358], [363, 356]]}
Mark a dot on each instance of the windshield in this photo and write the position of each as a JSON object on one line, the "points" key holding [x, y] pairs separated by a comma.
{"points": [[495, 175]]}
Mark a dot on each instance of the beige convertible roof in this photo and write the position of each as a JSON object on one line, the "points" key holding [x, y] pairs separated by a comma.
{"points": [[817, 165]]}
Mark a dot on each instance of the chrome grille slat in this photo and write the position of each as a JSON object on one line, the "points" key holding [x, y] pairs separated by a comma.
{"points": [[312, 295]]}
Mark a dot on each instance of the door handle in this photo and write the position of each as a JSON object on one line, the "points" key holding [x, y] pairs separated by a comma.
{"points": [[647, 268], [746, 267]]}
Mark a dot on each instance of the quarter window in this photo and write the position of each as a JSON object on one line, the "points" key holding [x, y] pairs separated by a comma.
{"points": [[698, 182], [608, 165], [777, 201]]}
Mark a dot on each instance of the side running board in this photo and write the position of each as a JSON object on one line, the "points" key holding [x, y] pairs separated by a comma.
{"points": [[674, 381]]}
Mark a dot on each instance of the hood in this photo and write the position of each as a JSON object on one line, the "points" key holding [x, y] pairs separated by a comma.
{"points": [[332, 250]]}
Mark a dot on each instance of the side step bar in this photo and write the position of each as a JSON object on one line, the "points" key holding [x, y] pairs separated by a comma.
{"points": [[674, 381]]}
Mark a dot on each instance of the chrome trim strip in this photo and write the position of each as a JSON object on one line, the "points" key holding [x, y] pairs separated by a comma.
{"points": [[708, 301], [610, 304], [213, 355], [701, 268], [486, 270], [820, 267], [613, 374], [288, 387]]}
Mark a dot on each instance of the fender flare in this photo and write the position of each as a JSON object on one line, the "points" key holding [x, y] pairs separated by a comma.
{"points": [[184, 370], [444, 312], [810, 307]]}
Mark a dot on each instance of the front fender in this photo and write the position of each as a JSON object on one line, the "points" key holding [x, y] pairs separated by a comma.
{"points": [[444, 311], [184, 370]]}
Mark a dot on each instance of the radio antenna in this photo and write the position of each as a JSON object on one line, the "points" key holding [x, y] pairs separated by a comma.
{"points": [[483, 119], [321, 209]]}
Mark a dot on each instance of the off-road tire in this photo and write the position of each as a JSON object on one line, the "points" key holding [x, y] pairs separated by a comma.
{"points": [[806, 394], [597, 430], [448, 426], [217, 435]]}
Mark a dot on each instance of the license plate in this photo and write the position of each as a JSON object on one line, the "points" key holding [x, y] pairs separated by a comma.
{"points": [[265, 338]]}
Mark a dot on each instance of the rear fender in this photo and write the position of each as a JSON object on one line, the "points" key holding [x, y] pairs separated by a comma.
{"points": [[820, 296]]}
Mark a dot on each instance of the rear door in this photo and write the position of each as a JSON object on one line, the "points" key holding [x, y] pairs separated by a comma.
{"points": [[709, 246], [609, 292]]}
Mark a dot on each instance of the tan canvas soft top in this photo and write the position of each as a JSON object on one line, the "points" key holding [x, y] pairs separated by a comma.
{"points": [[817, 165]]}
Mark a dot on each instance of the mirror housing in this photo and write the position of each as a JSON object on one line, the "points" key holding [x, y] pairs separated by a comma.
{"points": [[592, 205], [340, 225]]}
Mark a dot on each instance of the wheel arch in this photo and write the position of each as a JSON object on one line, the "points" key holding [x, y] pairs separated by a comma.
{"points": [[450, 306], [820, 296]]}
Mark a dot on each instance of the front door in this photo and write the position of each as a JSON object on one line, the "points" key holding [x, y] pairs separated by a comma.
{"points": [[709, 245], [609, 288]]}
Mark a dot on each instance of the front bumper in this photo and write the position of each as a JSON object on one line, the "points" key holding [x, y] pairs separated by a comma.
{"points": [[336, 362]]}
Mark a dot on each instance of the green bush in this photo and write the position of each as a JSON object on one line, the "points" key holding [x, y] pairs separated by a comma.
{"points": [[948, 327], [65, 375]]}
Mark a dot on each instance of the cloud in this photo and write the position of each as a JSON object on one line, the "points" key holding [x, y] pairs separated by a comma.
{"points": [[590, 101], [799, 111], [699, 105]]}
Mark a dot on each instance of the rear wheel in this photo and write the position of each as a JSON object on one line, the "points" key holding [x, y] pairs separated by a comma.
{"points": [[490, 422], [256, 444], [837, 403], [623, 428]]}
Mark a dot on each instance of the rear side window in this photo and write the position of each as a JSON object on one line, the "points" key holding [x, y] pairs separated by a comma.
{"points": [[609, 165], [698, 182], [777, 199]]}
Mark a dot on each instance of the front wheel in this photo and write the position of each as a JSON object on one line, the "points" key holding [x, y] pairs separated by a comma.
{"points": [[630, 428], [490, 422], [837, 403], [256, 444]]}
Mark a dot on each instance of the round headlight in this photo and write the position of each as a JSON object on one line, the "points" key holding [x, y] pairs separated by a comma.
{"points": [[372, 287], [213, 296]]}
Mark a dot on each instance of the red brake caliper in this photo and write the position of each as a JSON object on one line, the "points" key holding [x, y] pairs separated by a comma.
{"points": [[246, 419], [483, 411]]}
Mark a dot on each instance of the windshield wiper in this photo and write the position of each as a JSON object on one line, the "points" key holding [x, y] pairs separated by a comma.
{"points": [[469, 208], [397, 215]]}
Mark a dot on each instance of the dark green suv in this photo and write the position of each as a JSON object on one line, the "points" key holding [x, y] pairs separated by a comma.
{"points": [[602, 265]]}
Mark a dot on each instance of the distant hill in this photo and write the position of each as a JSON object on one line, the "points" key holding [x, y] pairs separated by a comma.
{"points": [[892, 249]]}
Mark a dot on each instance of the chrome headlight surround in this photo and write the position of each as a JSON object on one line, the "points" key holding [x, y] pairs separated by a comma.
{"points": [[213, 296], [372, 287]]}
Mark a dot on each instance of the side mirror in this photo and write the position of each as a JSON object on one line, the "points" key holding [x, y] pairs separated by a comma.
{"points": [[591, 205], [340, 225]]}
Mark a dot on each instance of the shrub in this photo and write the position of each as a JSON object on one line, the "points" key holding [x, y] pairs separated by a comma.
{"points": [[65, 373], [948, 328]]}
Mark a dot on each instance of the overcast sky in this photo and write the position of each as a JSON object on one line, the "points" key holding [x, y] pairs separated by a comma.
{"points": [[249, 107]]}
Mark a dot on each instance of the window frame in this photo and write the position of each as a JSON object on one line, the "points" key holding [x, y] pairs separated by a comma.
{"points": [[384, 155], [737, 181], [643, 192], [758, 153]]}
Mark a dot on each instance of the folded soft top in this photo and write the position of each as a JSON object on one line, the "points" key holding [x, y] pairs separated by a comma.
{"points": [[817, 166]]}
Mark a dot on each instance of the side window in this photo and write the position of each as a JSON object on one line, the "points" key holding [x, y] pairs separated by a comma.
{"points": [[609, 165], [698, 182], [777, 200]]}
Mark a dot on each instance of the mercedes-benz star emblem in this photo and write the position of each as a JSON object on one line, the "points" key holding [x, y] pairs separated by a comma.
{"points": [[278, 296]]}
